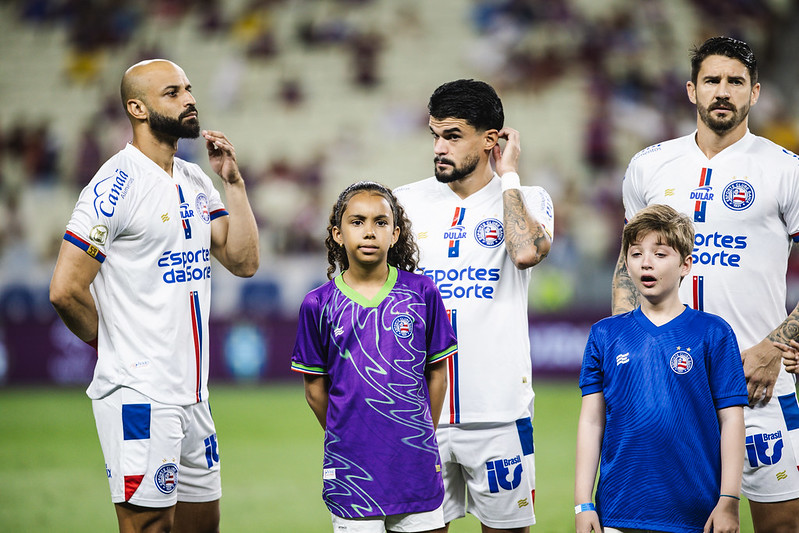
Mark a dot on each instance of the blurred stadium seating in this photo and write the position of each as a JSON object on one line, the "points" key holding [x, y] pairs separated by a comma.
{"points": [[318, 94]]}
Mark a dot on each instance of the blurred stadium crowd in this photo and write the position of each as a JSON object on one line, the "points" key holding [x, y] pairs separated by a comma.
{"points": [[316, 94]]}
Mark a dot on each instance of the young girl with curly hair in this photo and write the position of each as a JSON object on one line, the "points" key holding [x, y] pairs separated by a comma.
{"points": [[370, 344]]}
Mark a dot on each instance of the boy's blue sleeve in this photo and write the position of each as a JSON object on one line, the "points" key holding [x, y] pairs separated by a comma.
{"points": [[726, 372], [591, 375]]}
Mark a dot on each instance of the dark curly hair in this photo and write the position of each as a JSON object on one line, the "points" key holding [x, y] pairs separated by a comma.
{"points": [[403, 255]]}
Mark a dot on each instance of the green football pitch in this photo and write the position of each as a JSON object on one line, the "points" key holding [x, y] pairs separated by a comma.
{"points": [[53, 474]]}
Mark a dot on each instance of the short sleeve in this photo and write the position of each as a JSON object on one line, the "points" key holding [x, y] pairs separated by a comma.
{"points": [[591, 374], [309, 355], [541, 207], [789, 197], [725, 372], [102, 211], [213, 200]]}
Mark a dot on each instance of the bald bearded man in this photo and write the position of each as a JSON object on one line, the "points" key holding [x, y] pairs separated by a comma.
{"points": [[133, 279]]}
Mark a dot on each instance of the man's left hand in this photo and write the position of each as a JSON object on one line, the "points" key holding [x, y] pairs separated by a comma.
{"points": [[507, 159], [222, 156]]}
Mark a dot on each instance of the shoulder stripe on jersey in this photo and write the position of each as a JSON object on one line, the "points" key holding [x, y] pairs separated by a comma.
{"points": [[795, 237], [305, 369], [219, 213], [89, 248]]}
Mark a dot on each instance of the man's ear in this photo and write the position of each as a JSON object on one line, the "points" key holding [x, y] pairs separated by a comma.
{"points": [[490, 139], [137, 109], [755, 94], [690, 88]]}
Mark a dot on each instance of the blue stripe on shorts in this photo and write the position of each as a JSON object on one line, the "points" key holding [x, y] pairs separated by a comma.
{"points": [[136, 421], [525, 428], [790, 410]]}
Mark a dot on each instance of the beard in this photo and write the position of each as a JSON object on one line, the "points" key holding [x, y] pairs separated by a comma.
{"points": [[721, 126], [175, 128], [469, 164]]}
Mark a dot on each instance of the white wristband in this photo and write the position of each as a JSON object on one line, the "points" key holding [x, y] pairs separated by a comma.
{"points": [[510, 180]]}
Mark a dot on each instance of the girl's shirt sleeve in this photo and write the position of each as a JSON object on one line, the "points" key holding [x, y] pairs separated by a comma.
{"points": [[310, 353]]}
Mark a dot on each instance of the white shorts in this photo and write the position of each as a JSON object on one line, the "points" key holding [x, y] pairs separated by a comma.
{"points": [[406, 523], [772, 449], [492, 468], [157, 454]]}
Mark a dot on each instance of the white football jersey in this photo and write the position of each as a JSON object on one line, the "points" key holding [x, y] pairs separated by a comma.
{"points": [[745, 206], [462, 245], [152, 234]]}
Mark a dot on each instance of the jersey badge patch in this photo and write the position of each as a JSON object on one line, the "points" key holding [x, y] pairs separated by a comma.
{"points": [[738, 195], [99, 234], [201, 203], [681, 362], [490, 233], [402, 326], [166, 478]]}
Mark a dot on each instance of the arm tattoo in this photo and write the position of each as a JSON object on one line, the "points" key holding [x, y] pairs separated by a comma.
{"points": [[522, 232], [788, 330], [624, 294]]}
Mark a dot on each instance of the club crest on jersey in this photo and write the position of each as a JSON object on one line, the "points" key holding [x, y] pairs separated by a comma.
{"points": [[738, 195], [490, 233], [201, 203], [166, 478], [681, 362], [402, 326]]}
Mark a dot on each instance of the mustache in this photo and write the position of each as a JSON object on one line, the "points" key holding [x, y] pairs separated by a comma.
{"points": [[722, 104], [438, 159], [189, 109]]}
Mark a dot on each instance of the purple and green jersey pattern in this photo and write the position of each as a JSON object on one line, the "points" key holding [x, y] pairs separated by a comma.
{"points": [[381, 455]]}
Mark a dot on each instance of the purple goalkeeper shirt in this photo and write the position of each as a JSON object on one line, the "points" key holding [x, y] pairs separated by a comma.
{"points": [[381, 455]]}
